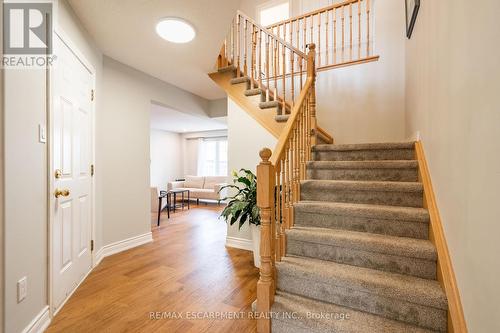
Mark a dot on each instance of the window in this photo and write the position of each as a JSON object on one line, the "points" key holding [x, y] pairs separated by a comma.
{"points": [[213, 157], [273, 12]]}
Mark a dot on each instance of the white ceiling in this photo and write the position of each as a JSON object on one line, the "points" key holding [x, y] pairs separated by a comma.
{"points": [[167, 119], [125, 30]]}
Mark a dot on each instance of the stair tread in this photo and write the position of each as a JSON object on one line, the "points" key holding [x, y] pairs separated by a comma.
{"points": [[253, 92], [391, 285], [364, 146], [242, 79], [268, 105], [381, 164], [363, 185], [364, 210], [355, 322], [281, 118], [375, 243]]}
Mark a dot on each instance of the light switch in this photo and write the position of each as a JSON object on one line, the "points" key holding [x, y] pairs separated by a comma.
{"points": [[22, 289], [42, 135]]}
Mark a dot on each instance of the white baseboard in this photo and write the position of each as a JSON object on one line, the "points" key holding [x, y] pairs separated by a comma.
{"points": [[40, 323], [123, 245], [99, 255], [239, 243]]}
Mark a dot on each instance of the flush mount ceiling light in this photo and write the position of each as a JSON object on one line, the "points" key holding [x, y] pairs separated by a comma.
{"points": [[175, 30]]}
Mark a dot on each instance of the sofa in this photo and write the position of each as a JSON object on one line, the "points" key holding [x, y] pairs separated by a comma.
{"points": [[202, 187]]}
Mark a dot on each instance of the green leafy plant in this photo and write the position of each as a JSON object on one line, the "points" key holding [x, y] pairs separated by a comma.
{"points": [[242, 206]]}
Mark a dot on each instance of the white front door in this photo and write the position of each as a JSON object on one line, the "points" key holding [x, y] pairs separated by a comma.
{"points": [[71, 161]]}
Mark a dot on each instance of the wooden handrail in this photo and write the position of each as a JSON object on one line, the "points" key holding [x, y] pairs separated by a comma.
{"points": [[278, 186], [341, 32], [270, 34], [287, 131]]}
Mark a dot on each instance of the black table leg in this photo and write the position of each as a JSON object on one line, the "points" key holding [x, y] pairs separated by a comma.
{"points": [[182, 204], [175, 200], [159, 210], [189, 199], [168, 205]]}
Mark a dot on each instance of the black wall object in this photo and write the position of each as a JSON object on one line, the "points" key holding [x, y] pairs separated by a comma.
{"points": [[412, 7]]}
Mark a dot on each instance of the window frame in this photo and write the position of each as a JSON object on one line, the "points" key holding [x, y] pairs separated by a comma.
{"points": [[270, 4]]}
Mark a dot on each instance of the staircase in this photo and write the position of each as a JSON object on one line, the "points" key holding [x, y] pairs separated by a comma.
{"points": [[358, 252], [351, 238]]}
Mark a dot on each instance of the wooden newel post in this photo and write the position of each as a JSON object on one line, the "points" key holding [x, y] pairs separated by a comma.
{"points": [[311, 72], [265, 202]]}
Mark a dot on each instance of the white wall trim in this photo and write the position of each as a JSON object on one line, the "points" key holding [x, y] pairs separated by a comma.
{"points": [[239, 243], [123, 245], [99, 255], [40, 323]]}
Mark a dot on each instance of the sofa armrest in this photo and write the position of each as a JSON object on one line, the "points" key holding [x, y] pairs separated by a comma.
{"points": [[217, 188], [174, 185]]}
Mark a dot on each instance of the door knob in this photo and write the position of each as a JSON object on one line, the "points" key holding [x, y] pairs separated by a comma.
{"points": [[61, 193]]}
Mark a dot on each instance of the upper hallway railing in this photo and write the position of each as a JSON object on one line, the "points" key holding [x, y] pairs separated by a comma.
{"points": [[271, 63], [342, 33]]}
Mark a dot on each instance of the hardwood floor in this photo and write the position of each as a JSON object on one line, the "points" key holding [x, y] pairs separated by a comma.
{"points": [[187, 269]]}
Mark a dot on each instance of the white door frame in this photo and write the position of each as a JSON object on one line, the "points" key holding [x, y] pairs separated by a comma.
{"points": [[59, 33]]}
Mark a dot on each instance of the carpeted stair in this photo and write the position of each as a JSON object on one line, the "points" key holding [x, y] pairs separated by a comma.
{"points": [[358, 258], [250, 92]]}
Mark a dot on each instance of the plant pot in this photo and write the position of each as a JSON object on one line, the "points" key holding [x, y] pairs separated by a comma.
{"points": [[256, 244]]}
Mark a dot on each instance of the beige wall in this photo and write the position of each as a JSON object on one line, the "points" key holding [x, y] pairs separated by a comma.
{"points": [[123, 130], [452, 71], [366, 103], [2, 190], [165, 151], [246, 137]]}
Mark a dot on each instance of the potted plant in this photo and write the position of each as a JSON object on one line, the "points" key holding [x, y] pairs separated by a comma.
{"points": [[242, 207]]}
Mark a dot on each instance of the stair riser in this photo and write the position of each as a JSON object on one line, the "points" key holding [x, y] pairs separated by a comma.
{"points": [[390, 263], [257, 98], [246, 83], [365, 155], [407, 199], [415, 314], [363, 224], [402, 175], [278, 326]]}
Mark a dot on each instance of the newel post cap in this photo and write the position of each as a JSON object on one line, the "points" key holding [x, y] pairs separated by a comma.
{"points": [[265, 154]]}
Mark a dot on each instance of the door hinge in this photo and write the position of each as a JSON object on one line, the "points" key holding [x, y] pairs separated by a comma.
{"points": [[91, 245], [92, 92], [92, 170]]}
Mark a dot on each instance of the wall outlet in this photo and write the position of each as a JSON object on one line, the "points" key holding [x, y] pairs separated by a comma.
{"points": [[22, 289]]}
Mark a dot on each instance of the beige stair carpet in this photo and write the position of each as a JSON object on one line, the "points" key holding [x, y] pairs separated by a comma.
{"points": [[358, 258]]}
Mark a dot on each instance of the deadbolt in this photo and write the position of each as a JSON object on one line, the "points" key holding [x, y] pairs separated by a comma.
{"points": [[57, 174]]}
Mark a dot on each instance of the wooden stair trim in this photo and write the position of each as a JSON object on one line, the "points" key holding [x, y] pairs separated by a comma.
{"points": [[349, 63], [265, 117], [324, 135], [445, 273]]}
